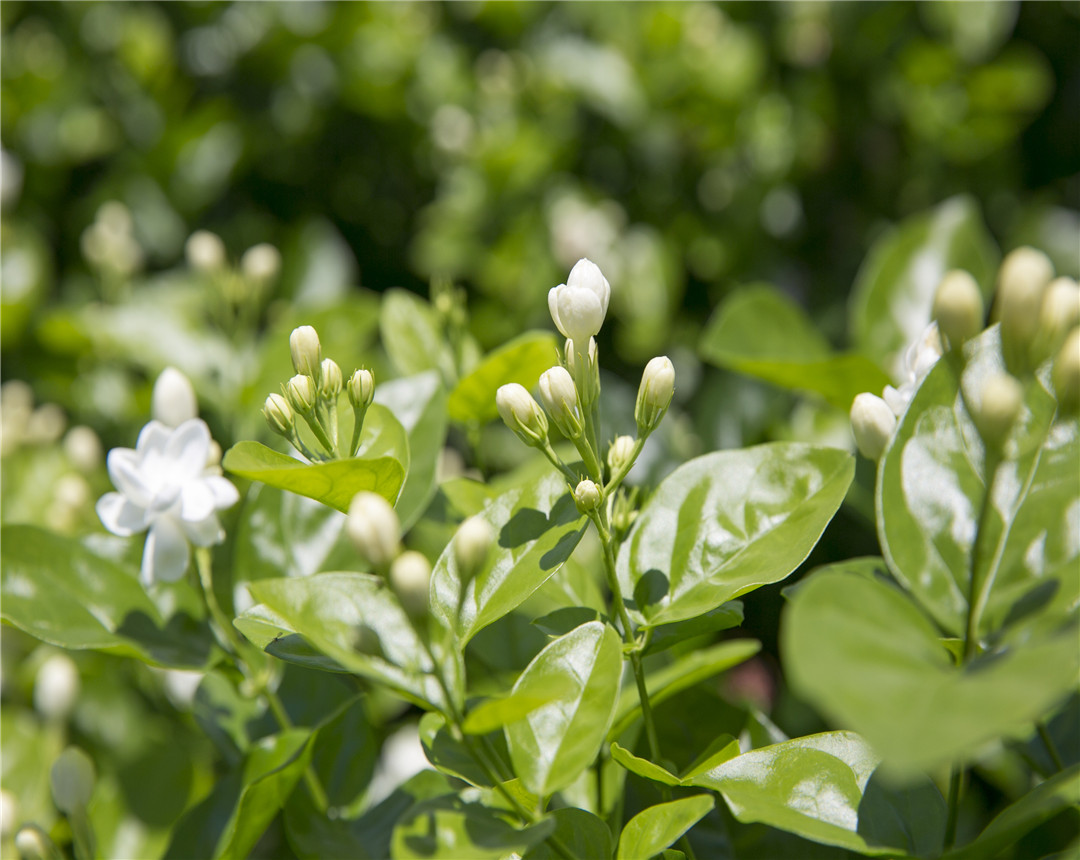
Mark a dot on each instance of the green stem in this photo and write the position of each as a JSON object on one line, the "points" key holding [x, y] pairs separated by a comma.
{"points": [[357, 429], [557, 462], [615, 480], [980, 586], [318, 793], [1051, 748], [956, 778], [316, 427]]}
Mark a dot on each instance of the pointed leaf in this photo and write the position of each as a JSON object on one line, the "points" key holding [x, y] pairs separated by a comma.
{"points": [[643, 767], [654, 829], [581, 833], [413, 336], [520, 360]]}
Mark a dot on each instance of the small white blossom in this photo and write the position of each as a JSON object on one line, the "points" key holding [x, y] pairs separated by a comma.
{"points": [[919, 358], [579, 306], [165, 486]]}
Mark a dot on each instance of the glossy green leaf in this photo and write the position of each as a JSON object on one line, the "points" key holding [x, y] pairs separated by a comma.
{"points": [[894, 289], [581, 833], [355, 621], [558, 740], [520, 360], [537, 526], [931, 484], [419, 403], [654, 829], [1060, 792], [230, 821], [669, 635], [729, 522], [60, 592], [379, 468], [413, 336], [448, 828], [761, 332], [643, 767], [684, 672], [493, 714], [863, 652], [453, 755]]}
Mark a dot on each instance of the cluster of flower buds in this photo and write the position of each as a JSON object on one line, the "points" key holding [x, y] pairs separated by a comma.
{"points": [[313, 394], [239, 285]]}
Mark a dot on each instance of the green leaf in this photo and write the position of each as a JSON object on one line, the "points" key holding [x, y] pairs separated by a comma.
{"points": [[761, 332], [413, 336], [537, 527], [493, 714], [643, 767], [931, 485], [581, 833], [448, 828], [654, 829], [230, 821], [520, 360], [1060, 792], [450, 754], [669, 635], [863, 652], [355, 621], [419, 403], [686, 671], [60, 592], [894, 289], [379, 468], [558, 740], [729, 522]]}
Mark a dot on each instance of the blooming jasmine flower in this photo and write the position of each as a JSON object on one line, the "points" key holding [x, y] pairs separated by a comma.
{"points": [[919, 358], [165, 486], [579, 306]]}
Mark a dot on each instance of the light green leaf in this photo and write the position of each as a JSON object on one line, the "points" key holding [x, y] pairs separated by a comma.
{"points": [[559, 740], [643, 767], [60, 592], [863, 652], [761, 332], [686, 671], [581, 833], [537, 526], [521, 360], [669, 635], [654, 829], [729, 522], [413, 336], [894, 289], [451, 754], [931, 485], [493, 714]]}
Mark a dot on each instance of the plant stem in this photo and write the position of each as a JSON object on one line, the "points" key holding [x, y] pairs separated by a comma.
{"points": [[557, 462], [1051, 748], [980, 586], [956, 779], [357, 429]]}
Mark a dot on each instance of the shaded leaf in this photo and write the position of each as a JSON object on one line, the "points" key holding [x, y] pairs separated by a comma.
{"points": [[520, 360], [581, 833]]}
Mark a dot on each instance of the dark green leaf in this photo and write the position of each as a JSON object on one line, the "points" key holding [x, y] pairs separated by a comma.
{"points": [[581, 833], [520, 360], [654, 829], [669, 635]]}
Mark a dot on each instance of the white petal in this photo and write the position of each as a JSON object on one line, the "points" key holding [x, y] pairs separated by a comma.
{"points": [[553, 306], [153, 437], [587, 275], [205, 532], [189, 447], [225, 494], [897, 398], [120, 516], [196, 501], [166, 555], [124, 470], [581, 313]]}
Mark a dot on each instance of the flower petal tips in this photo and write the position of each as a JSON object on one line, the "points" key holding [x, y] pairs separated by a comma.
{"points": [[579, 306]]}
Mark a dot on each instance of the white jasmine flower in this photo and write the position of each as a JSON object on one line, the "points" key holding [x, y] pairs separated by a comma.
{"points": [[579, 306], [919, 358], [165, 487]]}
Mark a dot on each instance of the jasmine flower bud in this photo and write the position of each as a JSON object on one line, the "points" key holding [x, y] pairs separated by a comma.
{"points": [[587, 496], [1066, 373], [522, 414], [1060, 312], [654, 394], [472, 546], [56, 687], [1000, 402], [361, 389], [958, 308], [33, 844], [374, 529], [620, 452], [300, 392], [329, 379], [83, 448], [872, 423], [306, 350], [579, 306], [261, 262], [559, 397], [72, 777], [205, 252], [279, 415], [9, 813], [410, 578], [1022, 281], [173, 400]]}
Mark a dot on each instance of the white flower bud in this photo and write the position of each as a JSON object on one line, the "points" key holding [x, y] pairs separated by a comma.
{"points": [[279, 415], [522, 414], [872, 423], [472, 545], [9, 813], [579, 306], [571, 358], [46, 424], [306, 350], [620, 452], [56, 687], [958, 308], [587, 496], [300, 392], [173, 401], [374, 529], [559, 397], [261, 263], [1060, 312], [32, 843], [410, 578], [1066, 372], [361, 389], [205, 252], [654, 394], [999, 405], [329, 378], [72, 777], [83, 448], [1022, 281]]}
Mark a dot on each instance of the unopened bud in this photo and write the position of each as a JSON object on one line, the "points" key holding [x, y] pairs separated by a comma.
{"points": [[654, 394], [361, 389], [33, 843], [587, 496], [410, 578], [620, 452], [261, 262], [1059, 314], [300, 392], [279, 415], [56, 687], [872, 424], [9, 813], [83, 448], [374, 529], [1066, 373], [306, 350], [1000, 402], [205, 252], [559, 397], [72, 778], [472, 545], [329, 378], [1022, 281], [522, 414], [958, 308], [173, 401]]}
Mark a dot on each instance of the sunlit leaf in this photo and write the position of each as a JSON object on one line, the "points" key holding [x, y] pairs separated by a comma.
{"points": [[654, 829], [520, 360]]}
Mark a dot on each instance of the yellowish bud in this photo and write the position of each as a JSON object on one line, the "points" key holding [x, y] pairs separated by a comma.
{"points": [[522, 414], [872, 424], [587, 496], [999, 405], [620, 452], [300, 392], [374, 529], [472, 546], [1066, 373], [361, 389], [306, 350], [654, 394], [329, 379], [410, 578], [958, 308], [279, 415]]}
